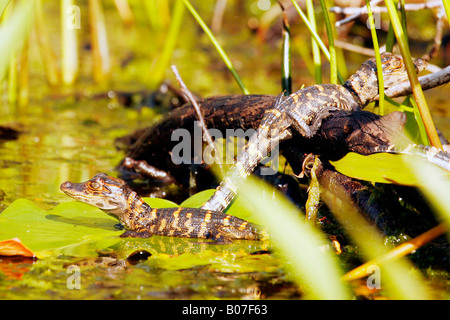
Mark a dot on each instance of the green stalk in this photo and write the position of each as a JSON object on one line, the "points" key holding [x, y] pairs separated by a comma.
{"points": [[12, 80], [48, 57], [23, 93], [314, 44], [447, 9], [376, 47], [317, 271], [3, 5], [333, 60], [14, 31], [160, 67], [412, 75], [316, 36], [390, 39], [216, 44], [286, 79], [153, 14]]}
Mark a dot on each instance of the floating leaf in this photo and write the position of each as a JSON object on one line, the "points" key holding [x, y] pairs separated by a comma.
{"points": [[378, 167], [71, 228], [237, 208], [14, 247]]}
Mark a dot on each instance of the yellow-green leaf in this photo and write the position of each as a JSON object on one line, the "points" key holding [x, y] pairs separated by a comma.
{"points": [[379, 167]]}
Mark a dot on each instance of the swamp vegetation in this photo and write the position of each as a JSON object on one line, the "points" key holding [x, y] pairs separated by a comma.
{"points": [[78, 78]]}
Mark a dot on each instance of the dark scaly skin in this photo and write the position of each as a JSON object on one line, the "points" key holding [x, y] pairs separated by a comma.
{"points": [[304, 111], [116, 198]]}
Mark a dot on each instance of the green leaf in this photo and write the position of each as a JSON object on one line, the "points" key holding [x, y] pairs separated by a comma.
{"points": [[237, 208], [58, 230], [379, 167], [71, 228], [297, 241], [159, 203]]}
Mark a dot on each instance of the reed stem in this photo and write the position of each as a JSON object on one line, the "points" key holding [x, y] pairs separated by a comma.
{"points": [[376, 48], [218, 47], [158, 71], [333, 59], [314, 45], [70, 21], [412, 75], [316, 36], [48, 57], [100, 50], [286, 79]]}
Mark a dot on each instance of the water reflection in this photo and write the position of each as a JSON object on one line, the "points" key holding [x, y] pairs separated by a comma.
{"points": [[59, 143]]}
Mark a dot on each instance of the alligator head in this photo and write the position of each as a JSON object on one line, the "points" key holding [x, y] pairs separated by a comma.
{"points": [[105, 192], [364, 83]]}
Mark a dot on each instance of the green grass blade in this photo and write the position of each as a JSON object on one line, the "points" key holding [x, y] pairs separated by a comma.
{"points": [[216, 44], [158, 72], [435, 187], [3, 5], [299, 242], [314, 44], [376, 48], [333, 59], [315, 36], [286, 78], [447, 9], [14, 32], [412, 75]]}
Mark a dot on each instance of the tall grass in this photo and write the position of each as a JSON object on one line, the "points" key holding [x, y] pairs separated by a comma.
{"points": [[14, 32], [376, 48], [412, 75], [100, 49], [216, 44], [163, 60], [69, 41], [316, 37], [298, 242]]}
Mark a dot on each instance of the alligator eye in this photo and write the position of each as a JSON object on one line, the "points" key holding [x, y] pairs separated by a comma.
{"points": [[397, 64], [94, 185]]}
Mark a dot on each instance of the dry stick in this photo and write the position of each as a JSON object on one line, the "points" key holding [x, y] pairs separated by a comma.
{"points": [[354, 16], [426, 82], [194, 103], [356, 12], [399, 251]]}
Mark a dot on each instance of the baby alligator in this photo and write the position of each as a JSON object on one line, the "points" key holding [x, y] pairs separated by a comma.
{"points": [[304, 111], [116, 198]]}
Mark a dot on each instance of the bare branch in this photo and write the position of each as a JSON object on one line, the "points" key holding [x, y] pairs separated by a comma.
{"points": [[427, 82], [194, 103], [356, 12]]}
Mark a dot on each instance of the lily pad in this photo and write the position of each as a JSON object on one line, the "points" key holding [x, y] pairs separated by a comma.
{"points": [[237, 208], [379, 167], [71, 228]]}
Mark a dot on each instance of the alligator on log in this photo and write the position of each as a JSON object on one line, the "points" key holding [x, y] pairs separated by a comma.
{"points": [[340, 133]]}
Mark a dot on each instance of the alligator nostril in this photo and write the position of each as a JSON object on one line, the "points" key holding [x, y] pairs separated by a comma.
{"points": [[65, 185]]}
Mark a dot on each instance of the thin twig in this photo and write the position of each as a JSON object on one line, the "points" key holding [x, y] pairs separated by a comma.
{"points": [[194, 103], [426, 82], [355, 15], [408, 7]]}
